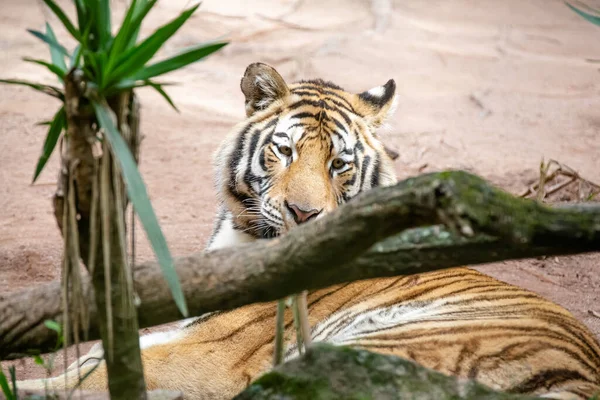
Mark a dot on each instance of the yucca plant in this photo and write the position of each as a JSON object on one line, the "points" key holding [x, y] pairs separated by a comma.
{"points": [[98, 125]]}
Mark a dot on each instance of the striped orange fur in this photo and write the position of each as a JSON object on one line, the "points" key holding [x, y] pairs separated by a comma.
{"points": [[304, 149]]}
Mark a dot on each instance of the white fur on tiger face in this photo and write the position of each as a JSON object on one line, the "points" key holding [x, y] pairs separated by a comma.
{"points": [[305, 149]]}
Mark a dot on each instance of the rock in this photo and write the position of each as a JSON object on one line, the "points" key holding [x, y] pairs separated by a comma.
{"points": [[329, 373]]}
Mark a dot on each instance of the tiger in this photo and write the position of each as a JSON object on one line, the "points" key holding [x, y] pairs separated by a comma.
{"points": [[304, 149]]}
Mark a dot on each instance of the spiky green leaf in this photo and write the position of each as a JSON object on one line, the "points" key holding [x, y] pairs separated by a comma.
{"points": [[142, 8], [52, 42], [46, 89], [594, 19], [134, 59], [123, 35], [57, 56], [57, 125], [63, 18], [182, 59], [136, 191], [164, 94], [104, 21], [53, 68]]}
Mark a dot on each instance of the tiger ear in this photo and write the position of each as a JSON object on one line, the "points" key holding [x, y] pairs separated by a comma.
{"points": [[262, 86], [376, 104]]}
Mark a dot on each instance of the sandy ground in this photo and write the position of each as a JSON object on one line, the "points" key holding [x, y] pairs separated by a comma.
{"points": [[486, 86]]}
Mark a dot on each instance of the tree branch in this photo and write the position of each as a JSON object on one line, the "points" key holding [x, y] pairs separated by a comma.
{"points": [[368, 237]]}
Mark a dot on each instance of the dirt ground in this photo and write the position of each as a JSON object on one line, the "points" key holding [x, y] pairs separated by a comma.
{"points": [[488, 86]]}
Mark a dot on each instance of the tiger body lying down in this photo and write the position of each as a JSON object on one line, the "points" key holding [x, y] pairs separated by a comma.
{"points": [[304, 149]]}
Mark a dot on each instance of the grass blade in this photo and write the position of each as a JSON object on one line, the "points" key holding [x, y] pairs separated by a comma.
{"points": [[46, 89], [63, 18], [594, 19], [136, 190], [164, 94], [53, 68], [57, 125], [184, 58], [134, 59], [52, 42]]}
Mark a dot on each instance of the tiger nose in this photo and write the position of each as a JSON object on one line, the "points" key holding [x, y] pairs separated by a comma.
{"points": [[300, 215]]}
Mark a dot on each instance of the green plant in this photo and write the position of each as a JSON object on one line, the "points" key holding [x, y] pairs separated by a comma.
{"points": [[10, 394], [99, 126], [113, 64]]}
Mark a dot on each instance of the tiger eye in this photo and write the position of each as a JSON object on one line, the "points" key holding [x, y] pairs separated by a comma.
{"points": [[285, 150], [338, 163]]}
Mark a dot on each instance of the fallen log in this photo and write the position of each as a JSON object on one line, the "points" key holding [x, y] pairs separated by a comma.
{"points": [[370, 236]]}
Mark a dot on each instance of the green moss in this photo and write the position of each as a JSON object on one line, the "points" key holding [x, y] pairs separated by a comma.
{"points": [[330, 372]]}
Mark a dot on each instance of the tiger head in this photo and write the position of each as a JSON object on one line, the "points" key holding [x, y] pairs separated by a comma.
{"points": [[304, 149]]}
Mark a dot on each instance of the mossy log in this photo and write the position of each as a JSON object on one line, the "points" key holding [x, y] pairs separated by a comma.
{"points": [[330, 373], [461, 220]]}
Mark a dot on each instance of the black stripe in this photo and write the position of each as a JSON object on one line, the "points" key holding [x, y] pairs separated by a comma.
{"points": [[376, 172], [536, 347], [345, 116], [363, 171], [237, 154], [234, 161], [305, 115], [320, 83], [249, 177], [352, 181], [317, 104], [347, 106], [203, 318], [340, 126], [301, 124], [299, 89], [217, 228], [359, 146], [263, 150], [314, 302], [547, 379], [336, 133]]}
